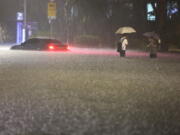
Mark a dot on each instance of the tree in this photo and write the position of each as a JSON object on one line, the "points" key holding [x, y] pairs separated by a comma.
{"points": [[68, 17], [3, 34]]}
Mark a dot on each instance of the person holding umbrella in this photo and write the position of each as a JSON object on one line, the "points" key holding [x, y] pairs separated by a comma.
{"points": [[152, 47], [123, 42], [154, 43], [122, 45]]}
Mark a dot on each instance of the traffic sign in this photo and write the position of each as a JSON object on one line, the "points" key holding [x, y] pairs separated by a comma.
{"points": [[52, 10]]}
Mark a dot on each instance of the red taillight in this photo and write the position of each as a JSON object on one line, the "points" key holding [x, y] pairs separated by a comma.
{"points": [[51, 47]]}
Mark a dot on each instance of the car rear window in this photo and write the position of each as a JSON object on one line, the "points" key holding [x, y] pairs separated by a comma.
{"points": [[51, 41]]}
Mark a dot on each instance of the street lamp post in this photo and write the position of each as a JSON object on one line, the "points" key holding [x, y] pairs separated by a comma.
{"points": [[25, 20]]}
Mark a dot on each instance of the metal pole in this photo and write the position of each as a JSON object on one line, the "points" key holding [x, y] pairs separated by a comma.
{"points": [[51, 28], [25, 18]]}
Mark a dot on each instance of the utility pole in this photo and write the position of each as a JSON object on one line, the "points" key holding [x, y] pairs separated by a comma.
{"points": [[25, 21]]}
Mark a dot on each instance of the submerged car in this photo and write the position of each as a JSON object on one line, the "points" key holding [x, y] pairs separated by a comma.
{"points": [[41, 44]]}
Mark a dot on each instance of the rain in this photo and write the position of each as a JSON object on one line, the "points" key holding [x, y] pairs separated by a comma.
{"points": [[89, 89]]}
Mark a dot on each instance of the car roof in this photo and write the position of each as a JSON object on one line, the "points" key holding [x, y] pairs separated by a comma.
{"points": [[46, 40]]}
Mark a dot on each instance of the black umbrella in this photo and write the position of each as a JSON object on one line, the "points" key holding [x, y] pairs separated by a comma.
{"points": [[152, 35]]}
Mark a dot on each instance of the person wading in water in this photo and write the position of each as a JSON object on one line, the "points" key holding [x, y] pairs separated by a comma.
{"points": [[122, 44]]}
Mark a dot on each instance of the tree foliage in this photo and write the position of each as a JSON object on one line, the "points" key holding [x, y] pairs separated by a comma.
{"points": [[103, 17]]}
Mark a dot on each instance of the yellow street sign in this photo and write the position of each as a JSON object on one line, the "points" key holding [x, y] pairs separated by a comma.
{"points": [[52, 10]]}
